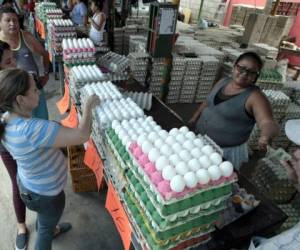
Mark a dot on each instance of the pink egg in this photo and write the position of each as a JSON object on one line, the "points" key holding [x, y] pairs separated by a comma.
{"points": [[133, 146], [156, 178], [143, 160], [137, 152], [164, 187], [149, 168]]}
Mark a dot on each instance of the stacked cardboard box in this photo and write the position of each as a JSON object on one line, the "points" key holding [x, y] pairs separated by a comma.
{"points": [[254, 28]]}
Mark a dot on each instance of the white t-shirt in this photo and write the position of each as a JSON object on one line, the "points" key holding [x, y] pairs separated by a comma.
{"points": [[97, 35]]}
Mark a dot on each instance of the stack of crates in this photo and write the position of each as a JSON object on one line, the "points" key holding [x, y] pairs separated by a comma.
{"points": [[83, 179]]}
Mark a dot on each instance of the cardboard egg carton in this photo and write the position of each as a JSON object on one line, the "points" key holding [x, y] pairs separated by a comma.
{"points": [[147, 237]]}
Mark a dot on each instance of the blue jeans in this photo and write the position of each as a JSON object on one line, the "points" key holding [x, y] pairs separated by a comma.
{"points": [[49, 210]]}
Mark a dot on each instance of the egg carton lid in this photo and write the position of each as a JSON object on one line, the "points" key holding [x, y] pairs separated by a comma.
{"points": [[169, 224], [164, 245]]}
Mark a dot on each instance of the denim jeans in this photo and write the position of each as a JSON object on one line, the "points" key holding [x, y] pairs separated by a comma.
{"points": [[49, 210]]}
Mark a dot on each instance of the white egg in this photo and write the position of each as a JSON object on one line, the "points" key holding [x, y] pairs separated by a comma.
{"points": [[140, 131], [190, 135], [168, 173], [141, 139], [215, 158], [185, 155], [176, 147], [158, 143], [140, 120], [163, 134], [154, 154], [177, 184], [196, 152], [148, 129], [174, 131], [170, 140], [204, 161], [166, 150], [161, 162], [203, 176], [157, 128], [125, 140], [191, 179], [207, 149], [188, 145], [115, 123], [180, 138], [214, 172], [181, 168], [136, 126], [118, 128], [122, 134], [184, 129], [194, 164], [146, 147], [226, 168], [152, 124], [149, 119], [152, 136], [134, 137], [125, 122], [174, 159], [198, 142]]}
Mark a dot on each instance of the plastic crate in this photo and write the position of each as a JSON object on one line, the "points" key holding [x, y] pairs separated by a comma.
{"points": [[83, 179]]}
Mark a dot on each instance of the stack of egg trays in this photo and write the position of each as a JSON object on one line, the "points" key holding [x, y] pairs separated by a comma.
{"points": [[128, 31], [118, 40], [292, 111], [293, 217], [271, 179], [207, 76], [270, 76], [279, 102], [156, 76], [137, 43], [281, 139], [114, 62], [293, 88], [115, 166], [190, 238], [138, 65], [190, 80], [177, 74], [192, 215]]}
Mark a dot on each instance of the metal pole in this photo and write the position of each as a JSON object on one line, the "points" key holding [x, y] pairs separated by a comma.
{"points": [[275, 8], [200, 9]]}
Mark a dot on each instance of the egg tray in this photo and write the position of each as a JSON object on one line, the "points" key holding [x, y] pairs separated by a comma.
{"points": [[161, 237], [127, 162], [202, 199], [195, 237], [174, 196], [160, 224], [118, 150], [293, 217]]}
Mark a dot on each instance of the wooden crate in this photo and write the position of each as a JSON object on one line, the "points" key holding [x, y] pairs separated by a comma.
{"points": [[83, 178]]}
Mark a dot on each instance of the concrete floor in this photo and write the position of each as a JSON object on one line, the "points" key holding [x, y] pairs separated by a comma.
{"points": [[93, 228]]}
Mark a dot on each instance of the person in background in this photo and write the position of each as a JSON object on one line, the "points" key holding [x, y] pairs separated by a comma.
{"points": [[18, 7], [35, 145], [290, 239], [233, 107], [98, 22], [25, 46], [79, 13], [8, 61]]}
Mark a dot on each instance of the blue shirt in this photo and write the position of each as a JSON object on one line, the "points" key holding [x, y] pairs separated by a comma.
{"points": [[41, 168], [78, 12]]}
